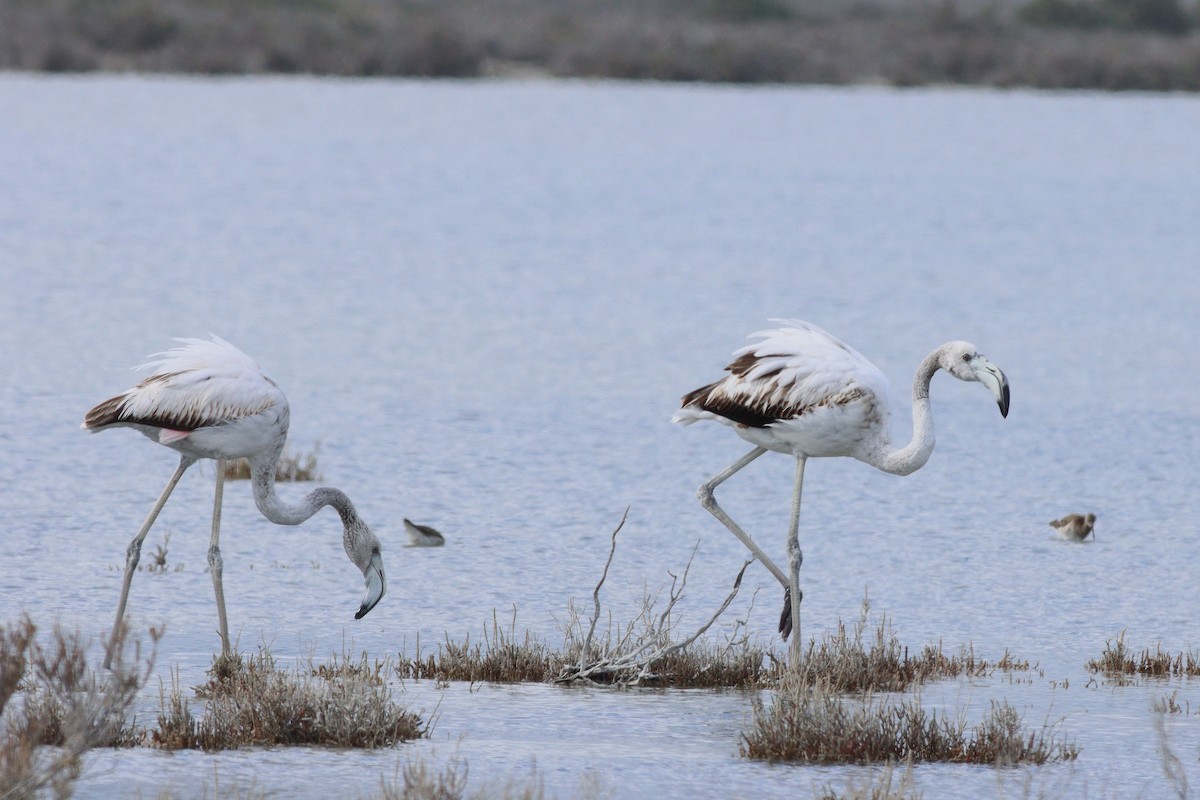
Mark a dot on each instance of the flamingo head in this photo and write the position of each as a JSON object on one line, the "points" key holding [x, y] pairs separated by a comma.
{"points": [[964, 361], [364, 549]]}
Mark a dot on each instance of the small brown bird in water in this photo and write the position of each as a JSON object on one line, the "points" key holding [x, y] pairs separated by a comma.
{"points": [[1075, 526], [422, 535]]}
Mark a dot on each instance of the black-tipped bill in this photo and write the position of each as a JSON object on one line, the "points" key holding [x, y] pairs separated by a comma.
{"points": [[376, 585], [990, 376]]}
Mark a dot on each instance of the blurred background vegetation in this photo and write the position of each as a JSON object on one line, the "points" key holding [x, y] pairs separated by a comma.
{"points": [[1102, 44]]}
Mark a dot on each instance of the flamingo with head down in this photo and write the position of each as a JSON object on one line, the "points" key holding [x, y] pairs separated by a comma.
{"points": [[208, 399]]}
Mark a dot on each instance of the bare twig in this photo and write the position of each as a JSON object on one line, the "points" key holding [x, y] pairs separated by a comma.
{"points": [[612, 550], [633, 656]]}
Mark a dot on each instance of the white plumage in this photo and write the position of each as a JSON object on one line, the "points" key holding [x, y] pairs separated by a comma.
{"points": [[803, 392], [208, 399], [798, 387], [205, 398]]}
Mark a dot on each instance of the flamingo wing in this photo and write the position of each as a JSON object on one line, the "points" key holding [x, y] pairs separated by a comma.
{"points": [[789, 372], [199, 384]]}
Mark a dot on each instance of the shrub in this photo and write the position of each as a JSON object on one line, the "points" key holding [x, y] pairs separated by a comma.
{"points": [[808, 722], [64, 705], [251, 702]]}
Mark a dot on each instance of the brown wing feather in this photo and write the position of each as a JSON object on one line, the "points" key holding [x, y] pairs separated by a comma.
{"points": [[763, 404], [111, 412], [114, 411], [106, 413]]}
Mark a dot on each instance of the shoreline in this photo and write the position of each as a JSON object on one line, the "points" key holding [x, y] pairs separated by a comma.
{"points": [[944, 44]]}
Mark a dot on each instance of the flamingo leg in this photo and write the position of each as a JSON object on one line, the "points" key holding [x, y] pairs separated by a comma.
{"points": [[709, 501], [133, 553], [215, 564], [795, 559]]}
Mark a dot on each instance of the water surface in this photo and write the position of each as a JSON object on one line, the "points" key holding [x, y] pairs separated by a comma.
{"points": [[484, 301]]}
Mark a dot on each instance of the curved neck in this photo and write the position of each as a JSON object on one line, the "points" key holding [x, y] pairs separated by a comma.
{"points": [[262, 476], [913, 455]]}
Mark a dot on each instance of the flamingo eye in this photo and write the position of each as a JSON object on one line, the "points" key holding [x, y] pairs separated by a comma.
{"points": [[966, 356]]}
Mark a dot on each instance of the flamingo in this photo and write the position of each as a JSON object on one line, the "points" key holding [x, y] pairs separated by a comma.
{"points": [[802, 392], [1075, 527], [208, 399]]}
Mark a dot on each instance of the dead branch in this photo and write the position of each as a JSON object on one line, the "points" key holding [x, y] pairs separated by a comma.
{"points": [[631, 658]]}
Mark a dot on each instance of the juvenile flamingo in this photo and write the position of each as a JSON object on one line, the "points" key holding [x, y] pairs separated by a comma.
{"points": [[208, 399], [802, 392]]}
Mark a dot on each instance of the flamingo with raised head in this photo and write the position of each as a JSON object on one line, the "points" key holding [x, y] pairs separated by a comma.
{"points": [[802, 392], [208, 399]]}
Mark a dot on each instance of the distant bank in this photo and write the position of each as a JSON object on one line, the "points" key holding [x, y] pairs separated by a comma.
{"points": [[1061, 44]]}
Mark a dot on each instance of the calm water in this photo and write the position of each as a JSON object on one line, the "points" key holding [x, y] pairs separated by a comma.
{"points": [[484, 300]]}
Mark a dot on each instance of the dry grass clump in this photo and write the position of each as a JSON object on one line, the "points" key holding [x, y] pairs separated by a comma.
{"points": [[418, 781], [502, 657], [881, 785], [1169, 704], [251, 702], [1121, 660], [298, 467], [843, 661], [65, 705], [808, 722], [499, 658]]}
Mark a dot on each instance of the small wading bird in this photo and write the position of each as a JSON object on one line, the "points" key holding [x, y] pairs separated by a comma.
{"points": [[802, 392], [1075, 527], [208, 399], [422, 535]]}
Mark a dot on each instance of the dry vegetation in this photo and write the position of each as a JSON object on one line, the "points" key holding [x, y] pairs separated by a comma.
{"points": [[1108, 44], [65, 705], [646, 651], [251, 702], [641, 652], [845, 664], [291, 467], [418, 781], [807, 721], [1117, 659], [882, 784]]}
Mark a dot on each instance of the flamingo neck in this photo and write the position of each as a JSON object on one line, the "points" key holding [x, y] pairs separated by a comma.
{"points": [[913, 455], [262, 476]]}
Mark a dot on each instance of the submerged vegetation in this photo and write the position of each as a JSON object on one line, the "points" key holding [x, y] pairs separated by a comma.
{"points": [[1106, 44], [1117, 659], [417, 780]]}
